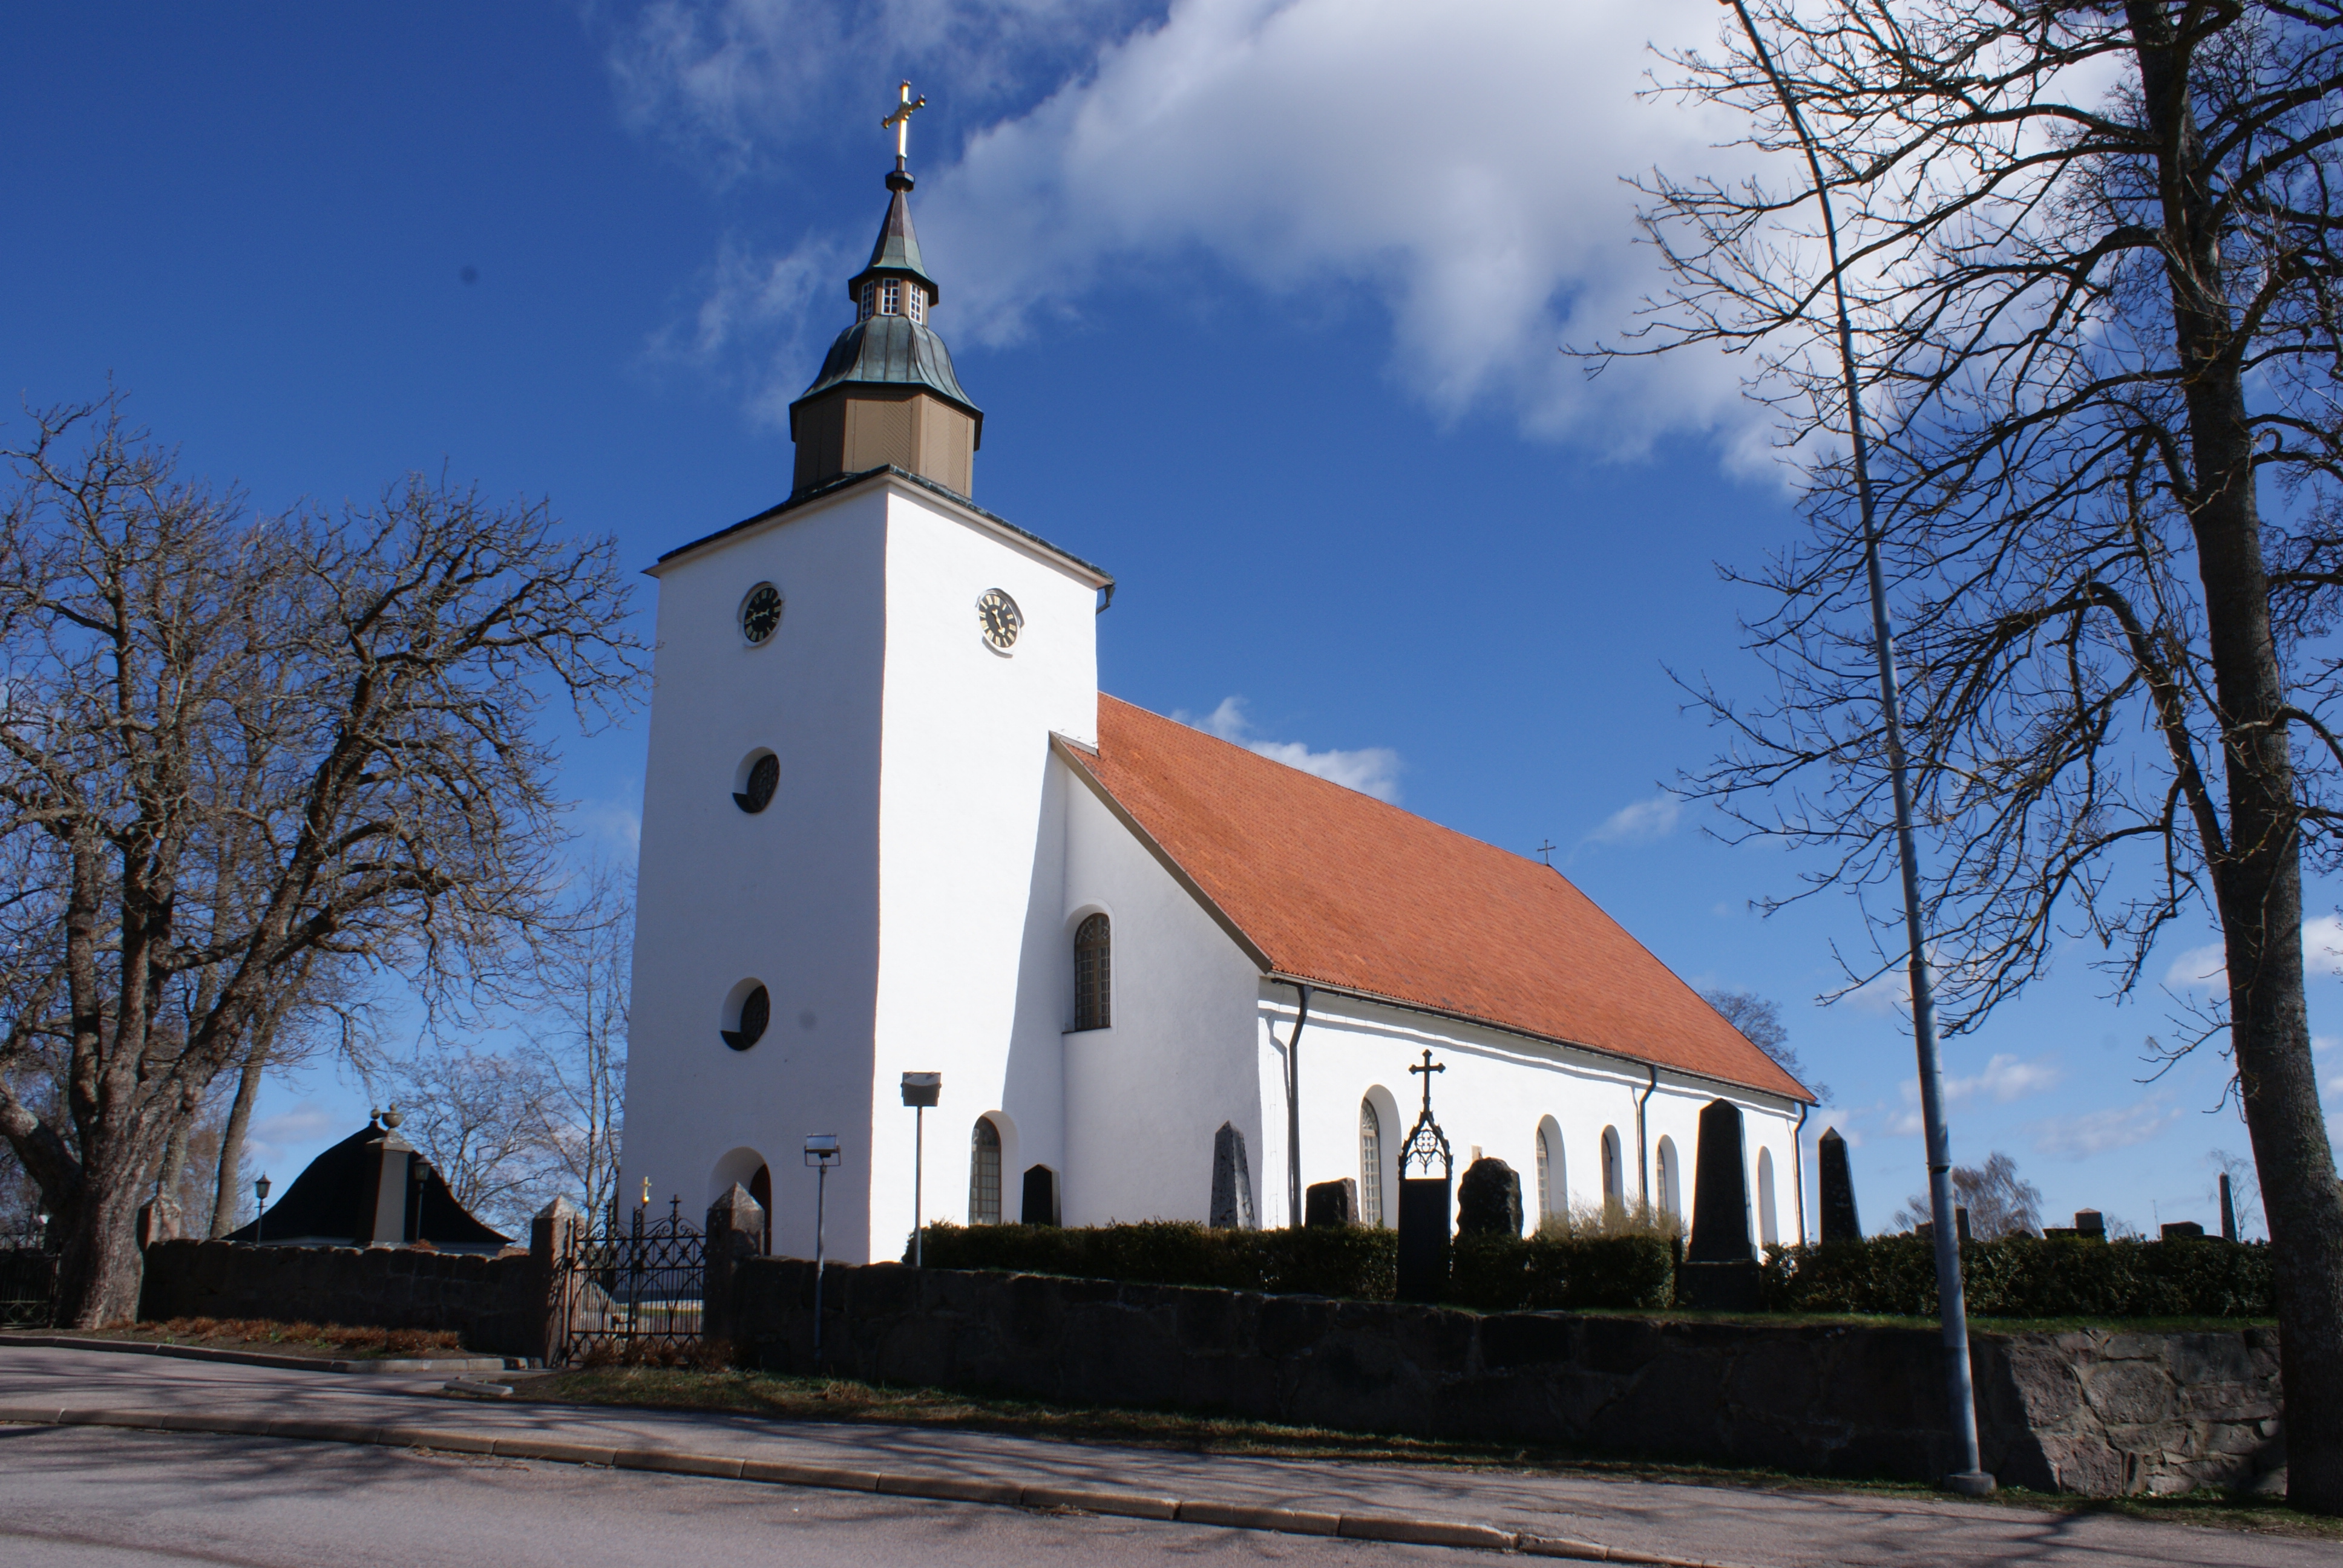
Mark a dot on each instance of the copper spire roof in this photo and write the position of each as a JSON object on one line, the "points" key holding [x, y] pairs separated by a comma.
{"points": [[1327, 885]]}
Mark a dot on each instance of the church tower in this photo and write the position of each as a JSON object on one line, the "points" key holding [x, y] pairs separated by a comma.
{"points": [[886, 392], [850, 834]]}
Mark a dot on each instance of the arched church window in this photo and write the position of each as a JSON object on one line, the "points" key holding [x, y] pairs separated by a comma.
{"points": [[1371, 1165], [1671, 1194], [891, 296], [1093, 974], [755, 791], [1611, 1168], [750, 1010], [1553, 1185], [984, 1173], [1769, 1229]]}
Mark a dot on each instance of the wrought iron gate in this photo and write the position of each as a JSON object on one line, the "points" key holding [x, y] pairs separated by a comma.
{"points": [[28, 1284], [632, 1292]]}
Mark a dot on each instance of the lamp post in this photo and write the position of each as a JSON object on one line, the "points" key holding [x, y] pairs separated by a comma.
{"points": [[920, 1090], [260, 1221], [821, 1153]]}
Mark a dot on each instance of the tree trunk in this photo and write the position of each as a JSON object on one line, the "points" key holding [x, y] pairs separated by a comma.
{"points": [[229, 1189], [99, 1269]]}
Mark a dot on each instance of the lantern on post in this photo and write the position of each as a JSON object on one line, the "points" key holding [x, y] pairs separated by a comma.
{"points": [[820, 1152], [920, 1090]]}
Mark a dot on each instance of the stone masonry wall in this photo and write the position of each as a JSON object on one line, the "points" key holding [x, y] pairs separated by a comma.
{"points": [[496, 1304], [2096, 1413]]}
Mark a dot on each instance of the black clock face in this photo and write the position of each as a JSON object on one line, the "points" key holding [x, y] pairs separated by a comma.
{"points": [[761, 612], [998, 616]]}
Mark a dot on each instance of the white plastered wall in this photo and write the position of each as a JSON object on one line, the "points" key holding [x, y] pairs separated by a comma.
{"points": [[1146, 1095], [970, 845], [788, 896]]}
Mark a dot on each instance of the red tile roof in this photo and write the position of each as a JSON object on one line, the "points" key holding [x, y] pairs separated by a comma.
{"points": [[1328, 885]]}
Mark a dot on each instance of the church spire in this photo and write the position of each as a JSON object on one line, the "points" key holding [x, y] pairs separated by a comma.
{"points": [[887, 394]]}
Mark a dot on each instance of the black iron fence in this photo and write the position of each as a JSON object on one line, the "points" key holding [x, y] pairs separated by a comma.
{"points": [[631, 1289], [28, 1283]]}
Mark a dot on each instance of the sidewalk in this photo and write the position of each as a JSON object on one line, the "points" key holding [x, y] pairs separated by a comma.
{"points": [[1586, 1518]]}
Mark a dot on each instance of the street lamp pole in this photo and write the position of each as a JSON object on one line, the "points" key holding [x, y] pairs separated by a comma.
{"points": [[920, 1090], [821, 1153], [260, 1221]]}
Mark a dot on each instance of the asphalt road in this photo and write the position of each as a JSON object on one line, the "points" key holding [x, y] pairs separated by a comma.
{"points": [[99, 1499], [89, 1495]]}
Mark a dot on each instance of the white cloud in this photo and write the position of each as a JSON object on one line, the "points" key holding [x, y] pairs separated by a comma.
{"points": [[302, 1128], [2206, 969], [1458, 168], [1888, 991], [1371, 771], [1639, 822], [2099, 1131], [2005, 1078], [2322, 1043]]}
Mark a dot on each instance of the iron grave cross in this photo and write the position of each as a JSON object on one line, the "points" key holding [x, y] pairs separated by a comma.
{"points": [[1428, 1069], [899, 122]]}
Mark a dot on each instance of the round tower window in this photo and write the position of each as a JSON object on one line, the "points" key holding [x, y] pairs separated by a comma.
{"points": [[760, 774], [747, 1012]]}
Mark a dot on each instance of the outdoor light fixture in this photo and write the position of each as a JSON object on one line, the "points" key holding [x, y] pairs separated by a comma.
{"points": [[821, 1153], [920, 1090], [260, 1191]]}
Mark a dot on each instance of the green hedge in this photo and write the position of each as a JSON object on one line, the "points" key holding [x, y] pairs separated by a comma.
{"points": [[1502, 1274], [1492, 1273], [1348, 1261], [2027, 1277]]}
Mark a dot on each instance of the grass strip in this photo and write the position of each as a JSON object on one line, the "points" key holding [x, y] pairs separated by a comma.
{"points": [[325, 1341], [785, 1398]]}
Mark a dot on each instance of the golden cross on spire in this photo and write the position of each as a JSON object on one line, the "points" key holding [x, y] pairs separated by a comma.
{"points": [[899, 122]]}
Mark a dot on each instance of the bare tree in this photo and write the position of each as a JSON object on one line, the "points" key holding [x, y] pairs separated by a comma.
{"points": [[1759, 1020], [228, 744], [474, 1114], [587, 980], [2090, 253], [2000, 1202]]}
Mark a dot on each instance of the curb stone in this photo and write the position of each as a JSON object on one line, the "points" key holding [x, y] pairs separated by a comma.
{"points": [[1396, 1528], [383, 1365]]}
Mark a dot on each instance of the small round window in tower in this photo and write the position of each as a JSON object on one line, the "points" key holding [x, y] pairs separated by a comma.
{"points": [[747, 1011], [760, 774], [760, 613], [998, 616]]}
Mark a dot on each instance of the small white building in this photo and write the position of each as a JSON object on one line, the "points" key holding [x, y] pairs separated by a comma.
{"points": [[891, 824]]}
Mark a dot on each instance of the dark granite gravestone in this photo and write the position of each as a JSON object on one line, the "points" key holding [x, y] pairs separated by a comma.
{"points": [[2184, 1231], [2228, 1212], [1840, 1223], [1720, 1267], [1422, 1238], [1040, 1206], [1231, 1181], [1331, 1203], [1489, 1200], [2091, 1224]]}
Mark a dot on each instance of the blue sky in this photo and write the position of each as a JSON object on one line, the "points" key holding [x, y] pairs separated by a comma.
{"points": [[1262, 302]]}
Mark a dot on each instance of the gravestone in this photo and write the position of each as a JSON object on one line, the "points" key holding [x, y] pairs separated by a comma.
{"points": [[1331, 1204], [1840, 1223], [1231, 1181], [1489, 1200], [1040, 1199], [2090, 1225], [2184, 1231], [736, 1233], [1720, 1268], [1422, 1238], [2228, 1212]]}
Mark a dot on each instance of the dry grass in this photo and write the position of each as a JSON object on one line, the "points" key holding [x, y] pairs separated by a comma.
{"points": [[325, 1341], [779, 1398]]}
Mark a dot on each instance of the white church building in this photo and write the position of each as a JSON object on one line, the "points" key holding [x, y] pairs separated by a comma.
{"points": [[891, 824]]}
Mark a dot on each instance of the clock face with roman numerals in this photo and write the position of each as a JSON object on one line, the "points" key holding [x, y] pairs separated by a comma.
{"points": [[761, 612], [998, 616]]}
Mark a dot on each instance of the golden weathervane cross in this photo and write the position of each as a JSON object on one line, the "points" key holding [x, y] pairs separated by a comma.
{"points": [[899, 122]]}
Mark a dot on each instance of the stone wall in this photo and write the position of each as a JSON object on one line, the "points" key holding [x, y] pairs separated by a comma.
{"points": [[496, 1304], [2093, 1411]]}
